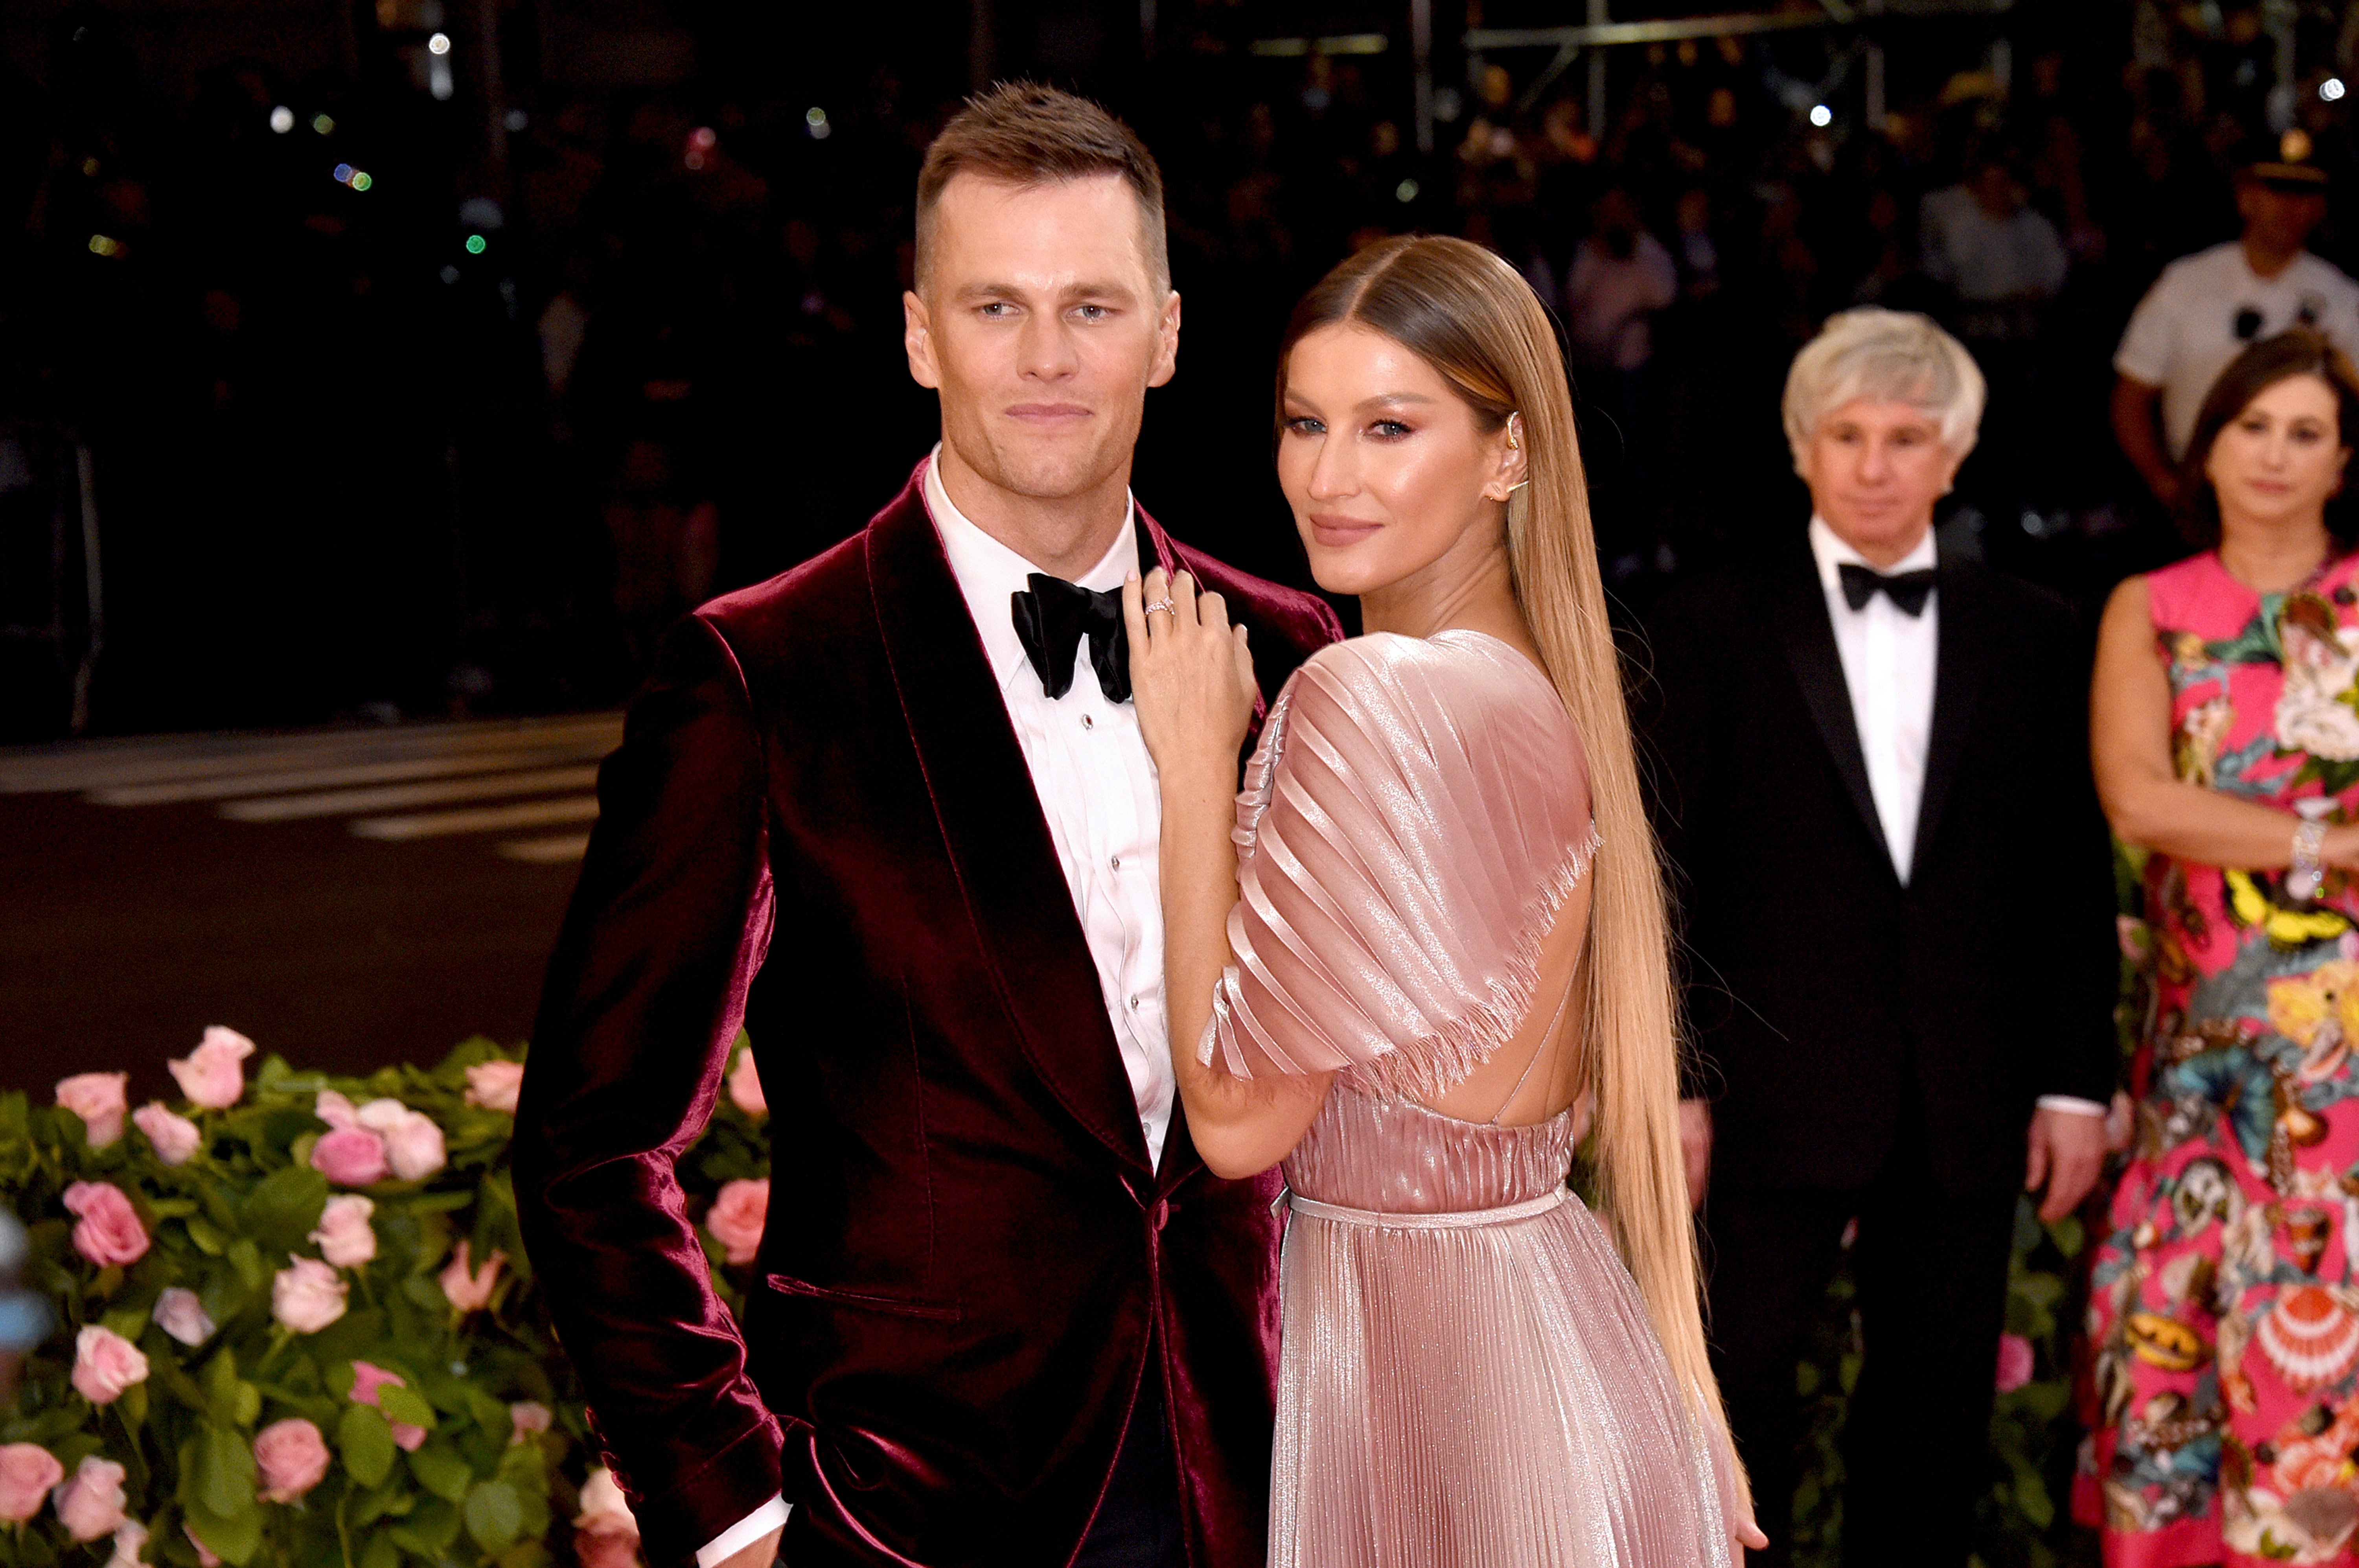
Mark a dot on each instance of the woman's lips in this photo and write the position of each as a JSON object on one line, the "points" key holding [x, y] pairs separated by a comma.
{"points": [[1335, 532]]}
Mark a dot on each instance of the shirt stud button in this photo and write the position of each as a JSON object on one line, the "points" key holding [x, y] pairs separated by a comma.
{"points": [[1133, 1004], [1088, 723], [1117, 863]]}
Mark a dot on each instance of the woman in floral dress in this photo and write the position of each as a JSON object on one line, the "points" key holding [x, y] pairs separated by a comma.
{"points": [[2224, 1313]]}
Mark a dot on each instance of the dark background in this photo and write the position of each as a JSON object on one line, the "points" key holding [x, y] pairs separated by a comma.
{"points": [[401, 384], [616, 323]]}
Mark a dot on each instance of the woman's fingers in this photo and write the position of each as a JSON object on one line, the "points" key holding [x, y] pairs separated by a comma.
{"points": [[1134, 614], [1183, 601]]}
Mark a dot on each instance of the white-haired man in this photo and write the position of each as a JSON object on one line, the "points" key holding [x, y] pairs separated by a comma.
{"points": [[1897, 896]]}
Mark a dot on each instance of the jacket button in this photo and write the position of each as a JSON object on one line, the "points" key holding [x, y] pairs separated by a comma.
{"points": [[1162, 1214]]}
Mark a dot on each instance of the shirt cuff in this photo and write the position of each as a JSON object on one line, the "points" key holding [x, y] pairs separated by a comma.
{"points": [[2072, 1104], [745, 1532]]}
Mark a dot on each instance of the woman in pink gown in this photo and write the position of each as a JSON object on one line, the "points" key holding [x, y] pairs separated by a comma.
{"points": [[1426, 937]]}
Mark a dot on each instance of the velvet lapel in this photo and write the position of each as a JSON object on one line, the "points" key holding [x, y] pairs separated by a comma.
{"points": [[992, 826], [1965, 629], [1800, 609]]}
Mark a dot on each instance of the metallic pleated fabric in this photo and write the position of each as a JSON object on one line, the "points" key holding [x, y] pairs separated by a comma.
{"points": [[1468, 1376]]}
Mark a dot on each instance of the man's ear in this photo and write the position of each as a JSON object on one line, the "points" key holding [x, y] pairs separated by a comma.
{"points": [[917, 338], [1167, 342]]}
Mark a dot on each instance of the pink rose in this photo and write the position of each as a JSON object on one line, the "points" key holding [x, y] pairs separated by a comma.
{"points": [[344, 1238], [471, 1290], [130, 1540], [104, 1365], [745, 1085], [366, 1381], [493, 1085], [211, 1075], [2015, 1363], [413, 1140], [736, 1217], [110, 1232], [350, 1157], [28, 1471], [97, 1099], [526, 1417], [290, 1457], [336, 1110], [205, 1559], [181, 1315], [606, 1548], [308, 1295], [174, 1136], [90, 1502], [604, 1506]]}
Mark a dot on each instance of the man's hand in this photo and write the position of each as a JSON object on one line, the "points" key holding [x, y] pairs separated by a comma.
{"points": [[1695, 1147], [758, 1553], [2067, 1152]]}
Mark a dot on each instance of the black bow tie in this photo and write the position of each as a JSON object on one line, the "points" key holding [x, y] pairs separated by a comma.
{"points": [[1051, 620], [1906, 590]]}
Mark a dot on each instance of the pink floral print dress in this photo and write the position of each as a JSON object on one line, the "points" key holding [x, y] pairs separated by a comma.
{"points": [[2223, 1319]]}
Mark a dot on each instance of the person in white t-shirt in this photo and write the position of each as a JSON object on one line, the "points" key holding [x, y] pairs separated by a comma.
{"points": [[2205, 307]]}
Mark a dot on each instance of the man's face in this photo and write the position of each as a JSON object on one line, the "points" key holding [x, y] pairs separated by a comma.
{"points": [[1041, 327], [1875, 470], [2279, 219]]}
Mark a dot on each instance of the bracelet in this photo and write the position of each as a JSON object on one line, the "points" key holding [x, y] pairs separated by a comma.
{"points": [[2302, 882]]}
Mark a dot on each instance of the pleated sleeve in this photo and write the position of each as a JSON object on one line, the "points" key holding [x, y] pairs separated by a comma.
{"points": [[1415, 813]]}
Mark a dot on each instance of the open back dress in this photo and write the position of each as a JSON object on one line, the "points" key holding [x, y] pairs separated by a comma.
{"points": [[1468, 1378]]}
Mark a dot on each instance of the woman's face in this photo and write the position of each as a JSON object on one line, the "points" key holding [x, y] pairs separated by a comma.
{"points": [[1388, 473], [2281, 458]]}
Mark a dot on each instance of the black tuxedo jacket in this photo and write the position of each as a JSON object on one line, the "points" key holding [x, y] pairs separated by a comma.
{"points": [[820, 822], [1836, 1010]]}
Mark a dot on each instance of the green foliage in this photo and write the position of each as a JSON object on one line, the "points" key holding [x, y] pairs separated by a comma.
{"points": [[477, 1491]]}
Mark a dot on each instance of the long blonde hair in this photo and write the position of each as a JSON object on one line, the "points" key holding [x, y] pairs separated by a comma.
{"points": [[1468, 314]]}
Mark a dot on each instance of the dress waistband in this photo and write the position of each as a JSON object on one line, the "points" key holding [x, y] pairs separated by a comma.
{"points": [[1463, 1220]]}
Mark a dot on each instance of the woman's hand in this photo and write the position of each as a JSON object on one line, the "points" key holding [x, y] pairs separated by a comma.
{"points": [[1191, 676]]}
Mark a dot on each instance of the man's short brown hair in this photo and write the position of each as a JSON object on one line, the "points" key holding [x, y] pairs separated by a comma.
{"points": [[1025, 134]]}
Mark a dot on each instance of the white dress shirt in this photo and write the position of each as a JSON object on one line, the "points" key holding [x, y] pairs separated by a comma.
{"points": [[1887, 665], [1889, 661], [1097, 789]]}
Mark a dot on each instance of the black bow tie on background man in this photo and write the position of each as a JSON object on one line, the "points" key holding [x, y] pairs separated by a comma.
{"points": [[1907, 590], [1051, 620]]}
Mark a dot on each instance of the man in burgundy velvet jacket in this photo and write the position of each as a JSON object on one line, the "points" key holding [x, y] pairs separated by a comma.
{"points": [[898, 819]]}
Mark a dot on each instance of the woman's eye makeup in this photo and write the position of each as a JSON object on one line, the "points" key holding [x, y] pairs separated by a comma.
{"points": [[1304, 425], [1389, 430]]}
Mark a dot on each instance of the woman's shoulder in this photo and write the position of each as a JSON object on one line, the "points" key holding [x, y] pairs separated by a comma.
{"points": [[1457, 672]]}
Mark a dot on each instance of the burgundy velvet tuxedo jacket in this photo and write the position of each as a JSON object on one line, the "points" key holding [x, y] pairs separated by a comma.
{"points": [[820, 823]]}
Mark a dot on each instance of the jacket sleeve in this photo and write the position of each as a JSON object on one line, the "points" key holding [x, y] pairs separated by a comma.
{"points": [[2081, 1056], [646, 990]]}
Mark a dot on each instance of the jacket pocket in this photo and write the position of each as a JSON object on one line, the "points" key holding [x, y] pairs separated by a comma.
{"points": [[899, 1306]]}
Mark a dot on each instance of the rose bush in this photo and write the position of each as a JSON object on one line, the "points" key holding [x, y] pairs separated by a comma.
{"points": [[296, 1326]]}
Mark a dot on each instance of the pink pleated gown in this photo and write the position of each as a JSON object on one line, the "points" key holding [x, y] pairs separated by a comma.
{"points": [[1468, 1378]]}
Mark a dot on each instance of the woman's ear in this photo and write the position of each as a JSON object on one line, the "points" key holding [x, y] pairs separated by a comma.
{"points": [[1511, 466]]}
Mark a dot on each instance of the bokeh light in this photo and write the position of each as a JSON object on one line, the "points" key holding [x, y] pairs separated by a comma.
{"points": [[439, 44], [282, 119], [2332, 89], [1821, 116], [475, 245]]}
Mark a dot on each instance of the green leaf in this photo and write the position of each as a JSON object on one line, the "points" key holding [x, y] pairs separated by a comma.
{"points": [[440, 1471], [403, 1404], [366, 1444], [206, 1235], [284, 1207], [495, 1516], [429, 1530], [224, 1479], [380, 1553], [247, 1258], [234, 1538]]}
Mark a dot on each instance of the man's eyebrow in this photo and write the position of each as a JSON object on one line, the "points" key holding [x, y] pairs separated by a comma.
{"points": [[1086, 290]]}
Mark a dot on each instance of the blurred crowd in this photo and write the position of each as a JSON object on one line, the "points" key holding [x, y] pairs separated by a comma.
{"points": [[389, 416]]}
